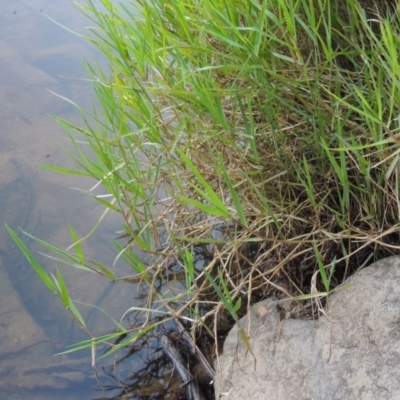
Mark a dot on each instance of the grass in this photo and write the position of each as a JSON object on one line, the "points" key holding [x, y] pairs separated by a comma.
{"points": [[250, 146]]}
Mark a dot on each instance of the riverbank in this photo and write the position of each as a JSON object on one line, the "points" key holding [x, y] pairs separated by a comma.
{"points": [[348, 353], [250, 149]]}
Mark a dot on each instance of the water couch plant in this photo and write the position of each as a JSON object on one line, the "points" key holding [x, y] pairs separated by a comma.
{"points": [[250, 147]]}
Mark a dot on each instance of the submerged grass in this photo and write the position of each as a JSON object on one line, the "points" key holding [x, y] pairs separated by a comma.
{"points": [[263, 132]]}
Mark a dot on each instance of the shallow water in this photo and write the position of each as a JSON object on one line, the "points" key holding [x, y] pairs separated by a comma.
{"points": [[38, 57]]}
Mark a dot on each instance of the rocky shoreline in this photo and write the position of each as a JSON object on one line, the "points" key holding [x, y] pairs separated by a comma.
{"points": [[351, 352]]}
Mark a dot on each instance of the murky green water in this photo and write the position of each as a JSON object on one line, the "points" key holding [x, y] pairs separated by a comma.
{"points": [[37, 56]]}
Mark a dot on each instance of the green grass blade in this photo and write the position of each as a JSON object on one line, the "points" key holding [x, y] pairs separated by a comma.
{"points": [[43, 275]]}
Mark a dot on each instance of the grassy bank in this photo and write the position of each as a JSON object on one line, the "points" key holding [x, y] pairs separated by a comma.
{"points": [[251, 148]]}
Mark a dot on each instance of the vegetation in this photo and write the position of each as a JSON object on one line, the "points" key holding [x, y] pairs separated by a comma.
{"points": [[251, 146]]}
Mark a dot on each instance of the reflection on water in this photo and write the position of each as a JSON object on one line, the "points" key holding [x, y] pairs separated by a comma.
{"points": [[37, 56]]}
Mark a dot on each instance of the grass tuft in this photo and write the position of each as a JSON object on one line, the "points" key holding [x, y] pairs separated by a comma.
{"points": [[251, 146]]}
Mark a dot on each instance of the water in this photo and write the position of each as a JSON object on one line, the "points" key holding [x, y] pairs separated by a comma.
{"points": [[38, 57]]}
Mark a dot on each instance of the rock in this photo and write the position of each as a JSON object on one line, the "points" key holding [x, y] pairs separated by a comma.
{"points": [[351, 353]]}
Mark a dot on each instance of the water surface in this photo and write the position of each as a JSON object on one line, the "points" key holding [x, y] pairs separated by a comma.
{"points": [[38, 57]]}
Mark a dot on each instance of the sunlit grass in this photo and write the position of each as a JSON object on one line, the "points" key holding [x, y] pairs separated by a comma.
{"points": [[265, 131]]}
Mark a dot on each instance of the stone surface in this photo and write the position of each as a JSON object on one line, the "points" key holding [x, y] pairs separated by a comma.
{"points": [[351, 353]]}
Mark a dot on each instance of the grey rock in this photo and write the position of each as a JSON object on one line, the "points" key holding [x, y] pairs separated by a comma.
{"points": [[352, 352]]}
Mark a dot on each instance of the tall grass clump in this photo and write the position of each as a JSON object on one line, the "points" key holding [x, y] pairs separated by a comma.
{"points": [[251, 147]]}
